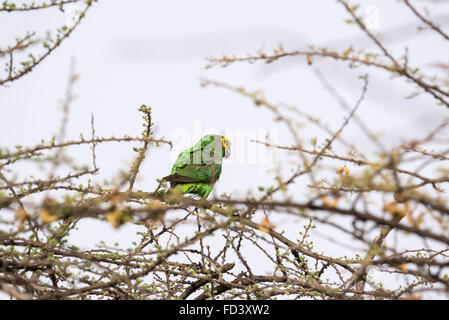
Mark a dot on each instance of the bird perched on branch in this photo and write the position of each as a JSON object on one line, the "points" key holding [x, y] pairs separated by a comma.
{"points": [[198, 168]]}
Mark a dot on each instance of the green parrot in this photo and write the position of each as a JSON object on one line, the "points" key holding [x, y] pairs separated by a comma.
{"points": [[198, 168]]}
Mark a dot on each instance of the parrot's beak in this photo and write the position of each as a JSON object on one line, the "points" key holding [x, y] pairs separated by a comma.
{"points": [[227, 147]]}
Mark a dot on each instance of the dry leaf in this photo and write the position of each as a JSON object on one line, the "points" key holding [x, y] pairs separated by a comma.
{"points": [[343, 170], [117, 217], [397, 210], [419, 219], [309, 59], [399, 197], [47, 216], [415, 221], [21, 215], [329, 202], [266, 225]]}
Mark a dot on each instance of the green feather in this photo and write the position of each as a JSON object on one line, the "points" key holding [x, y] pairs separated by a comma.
{"points": [[201, 189], [196, 169]]}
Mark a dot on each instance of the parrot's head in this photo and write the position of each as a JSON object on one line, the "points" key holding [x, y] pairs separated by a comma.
{"points": [[215, 147], [226, 144]]}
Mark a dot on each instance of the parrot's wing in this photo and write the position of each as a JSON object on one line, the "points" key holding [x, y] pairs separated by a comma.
{"points": [[184, 158], [192, 155], [179, 179], [189, 167], [194, 173]]}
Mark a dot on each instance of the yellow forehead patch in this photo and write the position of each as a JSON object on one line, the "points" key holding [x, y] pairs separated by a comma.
{"points": [[226, 143]]}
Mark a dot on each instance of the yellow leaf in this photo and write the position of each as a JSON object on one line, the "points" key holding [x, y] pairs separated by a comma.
{"points": [[347, 52], [415, 221], [21, 214], [397, 210], [266, 225], [400, 197], [367, 57], [410, 218], [419, 219], [343, 170], [47, 216], [113, 218], [392, 67], [329, 202], [309, 59], [117, 217]]}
